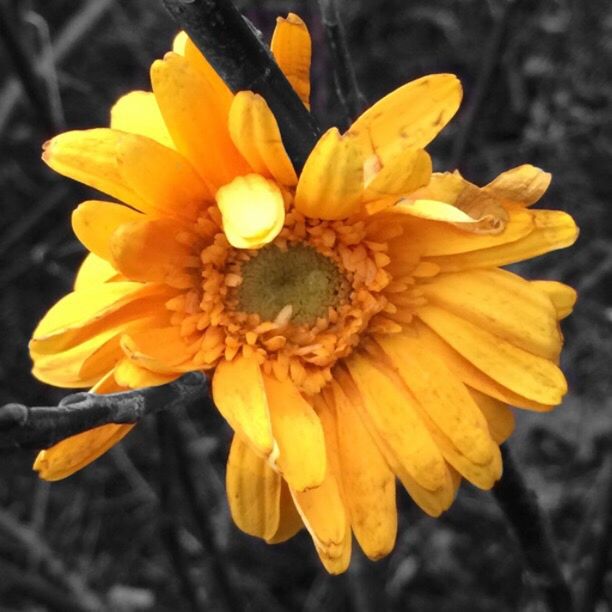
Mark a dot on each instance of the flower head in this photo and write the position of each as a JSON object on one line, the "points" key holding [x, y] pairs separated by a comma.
{"points": [[354, 320]]}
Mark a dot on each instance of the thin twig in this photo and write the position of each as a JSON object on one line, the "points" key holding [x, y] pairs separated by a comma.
{"points": [[592, 547], [53, 566], [43, 426], [24, 69], [244, 63], [491, 57], [74, 32], [200, 513], [347, 88], [520, 506], [43, 591], [169, 517]]}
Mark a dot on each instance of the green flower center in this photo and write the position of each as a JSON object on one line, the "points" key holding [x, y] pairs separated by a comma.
{"points": [[300, 277]]}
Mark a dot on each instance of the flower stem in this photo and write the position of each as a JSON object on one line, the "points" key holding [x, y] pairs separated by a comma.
{"points": [[520, 506], [245, 63]]}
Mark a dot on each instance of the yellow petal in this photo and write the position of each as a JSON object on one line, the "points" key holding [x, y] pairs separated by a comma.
{"points": [[331, 184], [77, 309], [239, 394], [444, 397], [255, 133], [253, 211], [524, 185], [63, 368], [409, 117], [502, 303], [500, 418], [221, 92], [148, 250], [526, 374], [94, 222], [253, 491], [432, 502], [83, 314], [161, 350], [89, 156], [298, 432], [368, 482], [135, 169], [469, 373], [133, 376], [196, 120], [291, 48], [94, 271], [553, 230], [323, 509], [562, 296], [432, 238], [163, 177], [404, 174], [289, 521], [70, 455], [138, 113], [390, 411]]}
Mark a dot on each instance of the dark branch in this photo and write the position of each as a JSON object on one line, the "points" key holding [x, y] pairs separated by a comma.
{"points": [[43, 426], [245, 63], [344, 74], [531, 529]]}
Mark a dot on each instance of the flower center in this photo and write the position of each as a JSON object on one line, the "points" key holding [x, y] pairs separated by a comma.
{"points": [[299, 277]]}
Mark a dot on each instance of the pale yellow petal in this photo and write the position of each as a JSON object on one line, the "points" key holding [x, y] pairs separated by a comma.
{"points": [[331, 183], [291, 48], [298, 432], [253, 211], [239, 394], [409, 117], [528, 375], [137, 112], [253, 491], [255, 133]]}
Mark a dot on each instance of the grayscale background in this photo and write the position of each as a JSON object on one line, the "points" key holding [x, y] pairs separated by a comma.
{"points": [[539, 75]]}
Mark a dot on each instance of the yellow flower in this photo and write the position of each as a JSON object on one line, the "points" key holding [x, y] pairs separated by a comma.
{"points": [[354, 320]]}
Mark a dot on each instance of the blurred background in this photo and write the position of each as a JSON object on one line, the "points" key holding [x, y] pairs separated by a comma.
{"points": [[538, 89]]}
